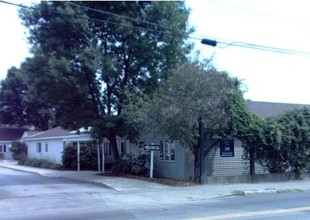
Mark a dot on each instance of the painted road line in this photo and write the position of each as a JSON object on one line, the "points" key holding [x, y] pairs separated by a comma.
{"points": [[255, 213]]}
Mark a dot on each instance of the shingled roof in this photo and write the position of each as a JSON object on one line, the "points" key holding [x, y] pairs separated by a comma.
{"points": [[54, 132], [269, 109], [11, 134]]}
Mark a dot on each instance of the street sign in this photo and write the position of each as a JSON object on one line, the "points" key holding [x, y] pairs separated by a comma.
{"points": [[151, 147]]}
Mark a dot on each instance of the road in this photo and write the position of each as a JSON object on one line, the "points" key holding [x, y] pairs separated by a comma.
{"points": [[26, 196]]}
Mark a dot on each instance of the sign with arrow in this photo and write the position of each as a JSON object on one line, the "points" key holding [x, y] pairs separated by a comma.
{"points": [[151, 147]]}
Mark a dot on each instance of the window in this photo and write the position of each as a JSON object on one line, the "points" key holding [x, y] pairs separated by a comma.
{"points": [[4, 148], [1, 148], [38, 147], [141, 146], [167, 150], [107, 149], [123, 147], [46, 147]]}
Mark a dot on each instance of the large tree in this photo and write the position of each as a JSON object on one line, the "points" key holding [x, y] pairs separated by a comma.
{"points": [[191, 94], [95, 53]]}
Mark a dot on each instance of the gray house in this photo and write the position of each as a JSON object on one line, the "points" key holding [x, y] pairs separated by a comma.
{"points": [[7, 136], [171, 160], [223, 162]]}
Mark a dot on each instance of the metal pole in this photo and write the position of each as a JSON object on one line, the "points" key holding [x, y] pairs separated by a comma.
{"points": [[152, 164], [78, 156], [98, 155], [102, 160]]}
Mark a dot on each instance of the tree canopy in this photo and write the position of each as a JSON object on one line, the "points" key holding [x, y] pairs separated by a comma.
{"points": [[87, 56], [191, 93]]}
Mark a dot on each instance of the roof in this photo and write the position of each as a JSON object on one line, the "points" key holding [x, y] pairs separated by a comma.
{"points": [[54, 132], [11, 134], [269, 109]]}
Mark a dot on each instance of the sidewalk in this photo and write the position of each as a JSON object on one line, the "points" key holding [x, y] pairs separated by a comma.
{"points": [[189, 192]]}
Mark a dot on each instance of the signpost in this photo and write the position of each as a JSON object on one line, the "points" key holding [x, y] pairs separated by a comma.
{"points": [[152, 148]]}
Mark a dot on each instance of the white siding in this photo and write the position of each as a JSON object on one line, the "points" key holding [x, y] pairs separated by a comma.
{"points": [[54, 153]]}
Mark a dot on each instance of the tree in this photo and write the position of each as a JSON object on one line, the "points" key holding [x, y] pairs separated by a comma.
{"points": [[295, 146], [95, 53], [11, 100], [190, 94]]}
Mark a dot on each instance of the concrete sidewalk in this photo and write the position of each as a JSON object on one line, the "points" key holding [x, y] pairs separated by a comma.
{"points": [[189, 192]]}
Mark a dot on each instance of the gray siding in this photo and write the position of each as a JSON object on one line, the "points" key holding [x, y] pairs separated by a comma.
{"points": [[183, 165], [215, 165], [180, 168]]}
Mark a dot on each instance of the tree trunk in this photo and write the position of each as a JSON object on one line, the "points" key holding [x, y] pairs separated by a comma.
{"points": [[113, 142], [196, 165]]}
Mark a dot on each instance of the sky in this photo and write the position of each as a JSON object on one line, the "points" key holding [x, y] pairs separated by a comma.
{"points": [[267, 76]]}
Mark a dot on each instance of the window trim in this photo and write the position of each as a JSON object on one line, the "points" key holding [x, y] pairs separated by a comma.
{"points": [[107, 149], [123, 148], [39, 147], [167, 151]]}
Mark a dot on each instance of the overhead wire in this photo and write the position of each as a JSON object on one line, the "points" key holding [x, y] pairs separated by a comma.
{"points": [[118, 15], [223, 42], [253, 11]]}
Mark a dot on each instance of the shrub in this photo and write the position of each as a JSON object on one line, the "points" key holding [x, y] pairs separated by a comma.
{"points": [[130, 164], [19, 150], [39, 163], [88, 157]]}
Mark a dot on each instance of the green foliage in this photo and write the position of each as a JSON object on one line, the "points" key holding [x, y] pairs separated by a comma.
{"points": [[295, 147], [85, 61], [280, 143], [19, 150], [129, 164], [39, 163], [11, 98], [88, 157], [191, 93]]}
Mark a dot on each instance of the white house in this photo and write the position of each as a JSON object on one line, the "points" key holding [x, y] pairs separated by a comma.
{"points": [[49, 144]]}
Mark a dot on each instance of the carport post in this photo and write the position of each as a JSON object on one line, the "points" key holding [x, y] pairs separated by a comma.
{"points": [[78, 156], [102, 160], [98, 155]]}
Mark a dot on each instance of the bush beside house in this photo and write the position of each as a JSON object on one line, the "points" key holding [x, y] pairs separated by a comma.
{"points": [[19, 150]]}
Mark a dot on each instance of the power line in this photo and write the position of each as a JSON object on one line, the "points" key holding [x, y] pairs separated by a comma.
{"points": [[263, 48], [117, 15], [262, 13], [223, 42], [87, 18]]}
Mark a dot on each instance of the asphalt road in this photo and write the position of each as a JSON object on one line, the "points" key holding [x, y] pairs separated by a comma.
{"points": [[29, 196]]}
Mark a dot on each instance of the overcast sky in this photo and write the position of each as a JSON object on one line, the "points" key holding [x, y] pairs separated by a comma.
{"points": [[269, 76]]}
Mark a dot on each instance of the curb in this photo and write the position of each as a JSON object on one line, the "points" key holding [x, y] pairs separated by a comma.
{"points": [[60, 177]]}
